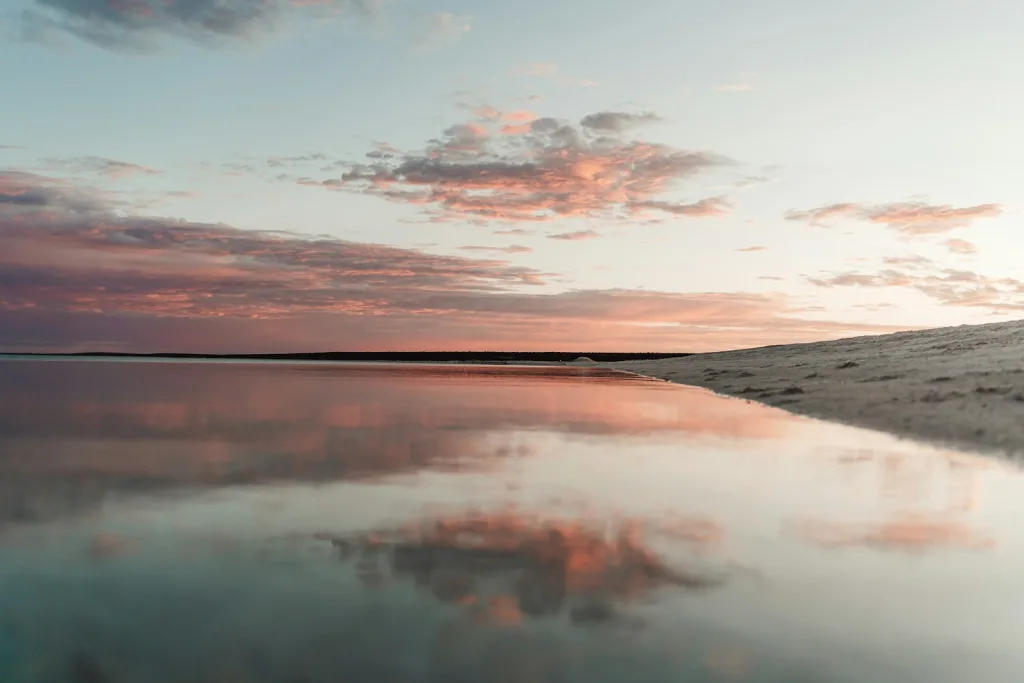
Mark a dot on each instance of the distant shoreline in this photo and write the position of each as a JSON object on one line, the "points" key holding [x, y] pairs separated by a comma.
{"points": [[482, 357]]}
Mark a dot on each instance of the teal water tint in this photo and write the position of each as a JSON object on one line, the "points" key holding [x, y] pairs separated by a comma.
{"points": [[207, 522]]}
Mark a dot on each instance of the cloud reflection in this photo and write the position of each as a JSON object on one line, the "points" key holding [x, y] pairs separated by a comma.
{"points": [[906, 532], [506, 566], [73, 432]]}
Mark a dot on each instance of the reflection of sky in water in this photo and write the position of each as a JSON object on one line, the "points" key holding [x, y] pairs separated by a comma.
{"points": [[255, 522]]}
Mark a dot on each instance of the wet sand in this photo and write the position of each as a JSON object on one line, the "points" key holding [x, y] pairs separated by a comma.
{"points": [[960, 386]]}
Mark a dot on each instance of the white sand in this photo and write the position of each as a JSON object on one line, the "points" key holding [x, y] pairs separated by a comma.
{"points": [[961, 386]]}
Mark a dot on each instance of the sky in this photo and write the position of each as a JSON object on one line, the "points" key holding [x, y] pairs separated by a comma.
{"points": [[667, 175]]}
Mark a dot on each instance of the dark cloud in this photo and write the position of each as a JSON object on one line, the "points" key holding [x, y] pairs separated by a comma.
{"points": [[60, 252], [27, 191], [908, 218], [138, 25], [520, 167], [617, 121]]}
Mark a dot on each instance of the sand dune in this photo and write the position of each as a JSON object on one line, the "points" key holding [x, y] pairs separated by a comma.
{"points": [[962, 386]]}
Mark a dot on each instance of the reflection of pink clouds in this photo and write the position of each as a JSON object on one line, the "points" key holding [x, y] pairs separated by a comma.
{"points": [[700, 532], [729, 661], [83, 429], [293, 400], [908, 532], [105, 546], [532, 564]]}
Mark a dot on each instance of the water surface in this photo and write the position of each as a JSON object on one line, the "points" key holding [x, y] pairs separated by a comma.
{"points": [[197, 521]]}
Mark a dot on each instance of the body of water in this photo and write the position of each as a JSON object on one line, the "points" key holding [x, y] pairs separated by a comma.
{"points": [[193, 522]]}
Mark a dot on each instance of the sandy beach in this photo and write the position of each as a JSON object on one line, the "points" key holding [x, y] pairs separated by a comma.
{"points": [[960, 386]]}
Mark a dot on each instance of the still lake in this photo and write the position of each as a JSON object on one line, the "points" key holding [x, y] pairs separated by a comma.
{"points": [[202, 522]]}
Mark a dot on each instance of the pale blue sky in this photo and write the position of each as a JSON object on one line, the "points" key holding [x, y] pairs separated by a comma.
{"points": [[873, 103]]}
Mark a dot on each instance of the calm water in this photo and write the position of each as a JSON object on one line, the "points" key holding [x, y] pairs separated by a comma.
{"points": [[228, 522]]}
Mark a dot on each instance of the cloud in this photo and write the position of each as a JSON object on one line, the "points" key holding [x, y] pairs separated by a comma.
{"points": [[520, 116], [736, 87], [486, 113], [575, 236], [302, 160], [908, 218], [512, 249], [141, 25], [110, 168], [77, 272], [705, 208], [551, 71], [518, 122], [752, 249], [61, 251], [537, 70], [442, 28], [947, 286], [549, 169], [616, 121], [26, 191], [959, 246]]}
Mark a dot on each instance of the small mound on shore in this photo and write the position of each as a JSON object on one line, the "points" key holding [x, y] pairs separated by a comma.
{"points": [[583, 360]]}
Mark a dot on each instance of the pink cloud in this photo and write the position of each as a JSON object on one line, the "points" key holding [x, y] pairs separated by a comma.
{"points": [[575, 236], [511, 249], [947, 286], [516, 129], [539, 171], [705, 208], [959, 246], [908, 218], [752, 249], [486, 113], [520, 116]]}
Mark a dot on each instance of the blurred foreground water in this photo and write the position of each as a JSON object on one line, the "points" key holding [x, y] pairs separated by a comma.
{"points": [[305, 523]]}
